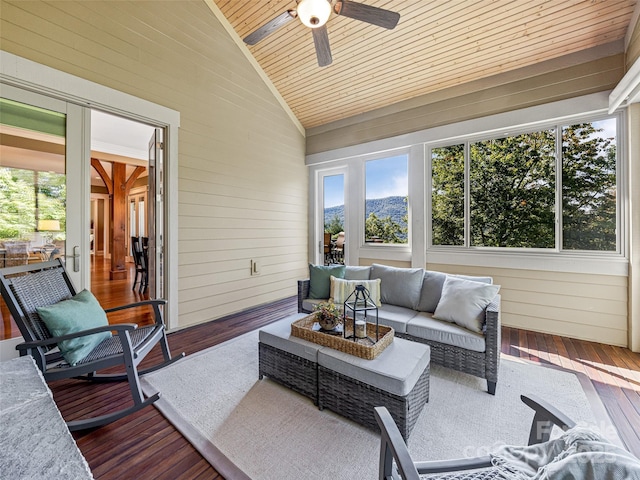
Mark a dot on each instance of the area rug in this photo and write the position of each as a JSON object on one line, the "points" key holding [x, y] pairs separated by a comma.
{"points": [[251, 428]]}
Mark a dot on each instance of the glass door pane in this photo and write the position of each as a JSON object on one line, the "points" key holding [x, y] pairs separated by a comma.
{"points": [[333, 248], [32, 184], [33, 192]]}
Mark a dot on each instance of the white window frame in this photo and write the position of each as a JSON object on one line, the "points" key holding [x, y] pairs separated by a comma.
{"points": [[573, 110], [316, 237], [557, 128]]}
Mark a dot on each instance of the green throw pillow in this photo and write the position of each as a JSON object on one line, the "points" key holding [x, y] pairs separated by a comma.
{"points": [[320, 279], [78, 313]]}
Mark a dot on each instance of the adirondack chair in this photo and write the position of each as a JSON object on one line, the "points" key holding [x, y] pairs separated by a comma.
{"points": [[26, 288]]}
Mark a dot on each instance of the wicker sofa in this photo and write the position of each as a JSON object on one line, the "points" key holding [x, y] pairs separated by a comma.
{"points": [[412, 301]]}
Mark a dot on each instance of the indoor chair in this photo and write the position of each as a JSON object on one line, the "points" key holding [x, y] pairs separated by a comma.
{"points": [[396, 462], [141, 260], [45, 286]]}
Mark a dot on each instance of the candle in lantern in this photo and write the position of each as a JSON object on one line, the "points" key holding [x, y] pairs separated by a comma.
{"points": [[361, 329]]}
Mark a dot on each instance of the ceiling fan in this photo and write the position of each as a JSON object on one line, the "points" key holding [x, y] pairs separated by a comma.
{"points": [[315, 13]]}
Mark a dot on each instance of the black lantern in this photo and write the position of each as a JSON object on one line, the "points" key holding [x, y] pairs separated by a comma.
{"points": [[359, 310]]}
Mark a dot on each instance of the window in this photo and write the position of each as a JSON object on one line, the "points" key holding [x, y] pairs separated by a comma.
{"points": [[589, 186], [386, 190], [512, 187], [511, 190], [447, 195]]}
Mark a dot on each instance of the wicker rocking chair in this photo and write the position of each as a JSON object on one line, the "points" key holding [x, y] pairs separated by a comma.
{"points": [[28, 287], [396, 462]]}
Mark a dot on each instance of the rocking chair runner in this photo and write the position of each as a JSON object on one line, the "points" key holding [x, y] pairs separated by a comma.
{"points": [[27, 287]]}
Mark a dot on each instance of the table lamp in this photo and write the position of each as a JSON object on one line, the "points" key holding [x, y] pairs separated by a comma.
{"points": [[48, 226]]}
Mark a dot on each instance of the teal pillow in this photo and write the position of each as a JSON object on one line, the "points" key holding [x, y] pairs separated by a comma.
{"points": [[78, 313], [320, 279]]}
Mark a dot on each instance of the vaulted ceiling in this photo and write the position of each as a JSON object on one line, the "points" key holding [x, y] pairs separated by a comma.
{"points": [[437, 44]]}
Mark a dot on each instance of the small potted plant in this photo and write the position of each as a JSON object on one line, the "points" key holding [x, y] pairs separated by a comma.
{"points": [[328, 315]]}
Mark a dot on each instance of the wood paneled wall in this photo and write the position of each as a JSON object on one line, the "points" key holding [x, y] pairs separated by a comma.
{"points": [[583, 306], [596, 70], [242, 187]]}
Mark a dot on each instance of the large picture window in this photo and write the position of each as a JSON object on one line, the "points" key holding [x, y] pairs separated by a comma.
{"points": [[386, 187], [504, 191]]}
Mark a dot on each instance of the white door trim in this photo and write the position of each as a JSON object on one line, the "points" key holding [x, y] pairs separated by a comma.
{"points": [[29, 75]]}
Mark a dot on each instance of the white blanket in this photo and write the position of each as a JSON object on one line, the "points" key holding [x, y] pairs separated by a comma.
{"points": [[580, 453]]}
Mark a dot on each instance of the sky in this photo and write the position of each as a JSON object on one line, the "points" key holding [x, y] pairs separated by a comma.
{"points": [[386, 177]]}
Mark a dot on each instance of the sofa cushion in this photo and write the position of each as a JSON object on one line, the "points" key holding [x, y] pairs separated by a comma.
{"points": [[423, 325], [357, 273], [463, 302], [309, 304], [395, 317], [319, 279], [432, 283], [432, 288], [341, 289], [400, 286], [396, 370], [278, 335]]}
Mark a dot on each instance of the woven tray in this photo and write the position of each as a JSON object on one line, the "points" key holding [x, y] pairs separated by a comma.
{"points": [[363, 348]]}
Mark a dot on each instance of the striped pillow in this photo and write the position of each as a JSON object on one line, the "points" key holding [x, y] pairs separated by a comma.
{"points": [[341, 289]]}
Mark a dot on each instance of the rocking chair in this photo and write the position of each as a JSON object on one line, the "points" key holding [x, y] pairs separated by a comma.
{"points": [[29, 287]]}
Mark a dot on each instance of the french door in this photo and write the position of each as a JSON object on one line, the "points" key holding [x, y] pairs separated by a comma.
{"points": [[43, 174]]}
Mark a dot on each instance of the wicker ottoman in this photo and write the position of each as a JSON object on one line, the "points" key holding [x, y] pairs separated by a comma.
{"points": [[397, 379], [288, 360]]}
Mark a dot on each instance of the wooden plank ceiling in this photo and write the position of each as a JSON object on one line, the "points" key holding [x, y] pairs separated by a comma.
{"points": [[437, 44]]}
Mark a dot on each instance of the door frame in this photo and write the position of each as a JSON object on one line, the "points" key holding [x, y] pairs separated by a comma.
{"points": [[38, 78], [316, 250]]}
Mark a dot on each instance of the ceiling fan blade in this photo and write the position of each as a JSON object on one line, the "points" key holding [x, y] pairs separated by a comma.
{"points": [[270, 27], [367, 13], [323, 49]]}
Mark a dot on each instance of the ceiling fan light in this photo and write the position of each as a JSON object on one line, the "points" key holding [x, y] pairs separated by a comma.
{"points": [[314, 13]]}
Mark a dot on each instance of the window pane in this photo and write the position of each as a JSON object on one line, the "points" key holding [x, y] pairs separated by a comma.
{"points": [[589, 186], [333, 197], [447, 195], [512, 187], [386, 190]]}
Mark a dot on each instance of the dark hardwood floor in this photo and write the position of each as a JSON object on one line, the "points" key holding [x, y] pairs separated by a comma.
{"points": [[146, 446]]}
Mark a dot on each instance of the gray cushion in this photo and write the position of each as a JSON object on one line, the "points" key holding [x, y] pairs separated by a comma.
{"points": [[395, 317], [432, 288], [464, 302], [425, 326], [319, 279], [400, 286], [278, 335], [396, 370], [357, 273], [308, 304]]}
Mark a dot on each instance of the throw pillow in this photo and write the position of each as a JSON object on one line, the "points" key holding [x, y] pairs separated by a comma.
{"points": [[341, 289], [400, 286], [319, 279], [75, 314], [357, 273], [463, 302], [432, 288]]}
